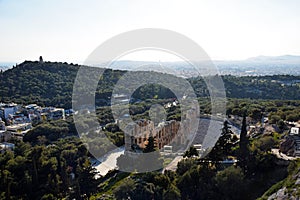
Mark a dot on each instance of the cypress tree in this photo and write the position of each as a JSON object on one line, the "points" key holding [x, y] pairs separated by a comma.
{"points": [[244, 143]]}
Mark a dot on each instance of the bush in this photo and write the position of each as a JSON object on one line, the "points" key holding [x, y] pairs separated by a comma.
{"points": [[230, 183]]}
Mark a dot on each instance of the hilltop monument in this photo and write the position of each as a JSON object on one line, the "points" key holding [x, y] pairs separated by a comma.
{"points": [[41, 59]]}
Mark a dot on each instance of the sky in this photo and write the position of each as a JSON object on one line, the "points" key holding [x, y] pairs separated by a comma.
{"points": [[69, 30]]}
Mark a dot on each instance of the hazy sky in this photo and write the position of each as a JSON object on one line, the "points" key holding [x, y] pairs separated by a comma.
{"points": [[70, 30]]}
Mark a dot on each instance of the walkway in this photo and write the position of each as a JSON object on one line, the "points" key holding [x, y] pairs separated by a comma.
{"points": [[282, 156], [173, 165], [109, 161]]}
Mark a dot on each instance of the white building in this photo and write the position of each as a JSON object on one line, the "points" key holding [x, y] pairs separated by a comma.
{"points": [[18, 130], [8, 109], [294, 131], [120, 99], [199, 149], [6, 146], [51, 113], [168, 149], [32, 107], [56, 113]]}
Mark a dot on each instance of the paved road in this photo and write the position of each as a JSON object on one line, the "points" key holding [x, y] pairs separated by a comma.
{"points": [[173, 165], [109, 161]]}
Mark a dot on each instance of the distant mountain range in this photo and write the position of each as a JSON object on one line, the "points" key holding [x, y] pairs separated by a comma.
{"points": [[285, 59], [255, 66], [261, 65]]}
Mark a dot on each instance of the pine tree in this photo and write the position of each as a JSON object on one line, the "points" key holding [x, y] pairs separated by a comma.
{"points": [[223, 146], [226, 137], [87, 181], [191, 152]]}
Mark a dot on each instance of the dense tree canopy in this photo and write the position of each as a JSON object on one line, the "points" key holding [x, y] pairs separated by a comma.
{"points": [[59, 170], [51, 83]]}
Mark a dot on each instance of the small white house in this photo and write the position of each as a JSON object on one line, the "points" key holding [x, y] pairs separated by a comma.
{"points": [[199, 148], [294, 131], [168, 149], [9, 109], [6, 146]]}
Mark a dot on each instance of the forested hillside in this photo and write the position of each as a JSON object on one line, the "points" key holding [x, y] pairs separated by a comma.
{"points": [[43, 83], [51, 83]]}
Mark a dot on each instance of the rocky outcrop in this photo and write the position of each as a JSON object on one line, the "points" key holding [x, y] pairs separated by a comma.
{"points": [[280, 194], [287, 146], [288, 188], [283, 194], [288, 194]]}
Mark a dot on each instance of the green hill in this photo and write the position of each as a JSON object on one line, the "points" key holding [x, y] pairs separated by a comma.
{"points": [[43, 83], [48, 83], [51, 83]]}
